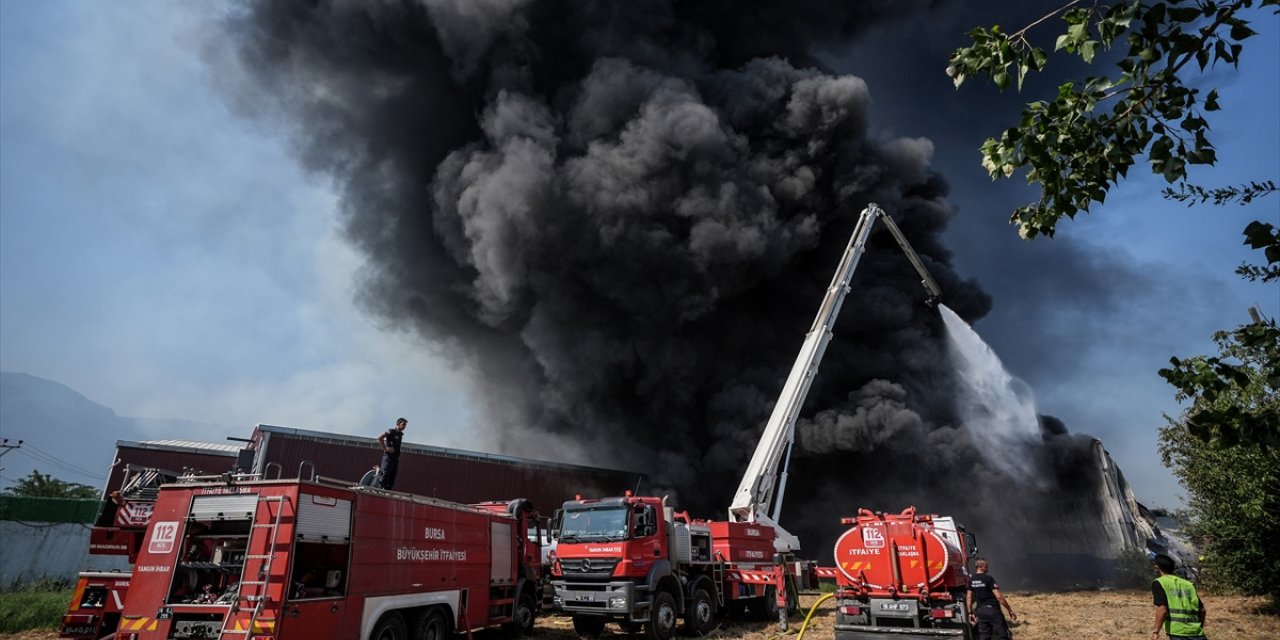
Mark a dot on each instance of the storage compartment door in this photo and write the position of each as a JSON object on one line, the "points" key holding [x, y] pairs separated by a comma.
{"points": [[324, 519], [229, 507], [500, 557]]}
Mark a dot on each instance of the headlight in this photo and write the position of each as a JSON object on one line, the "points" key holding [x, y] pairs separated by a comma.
{"points": [[618, 602]]}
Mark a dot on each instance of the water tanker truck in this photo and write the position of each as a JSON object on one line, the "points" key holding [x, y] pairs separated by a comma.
{"points": [[902, 575]]}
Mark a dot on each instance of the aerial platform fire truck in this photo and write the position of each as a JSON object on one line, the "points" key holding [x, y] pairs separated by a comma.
{"points": [[635, 561], [233, 558], [902, 575]]}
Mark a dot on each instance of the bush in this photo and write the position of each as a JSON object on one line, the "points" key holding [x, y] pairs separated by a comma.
{"points": [[1133, 569], [34, 606]]}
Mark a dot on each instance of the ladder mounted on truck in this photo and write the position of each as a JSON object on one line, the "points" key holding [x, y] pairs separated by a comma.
{"points": [[254, 592], [765, 479]]}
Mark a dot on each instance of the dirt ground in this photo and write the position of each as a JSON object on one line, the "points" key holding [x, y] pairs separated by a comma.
{"points": [[1081, 615]]}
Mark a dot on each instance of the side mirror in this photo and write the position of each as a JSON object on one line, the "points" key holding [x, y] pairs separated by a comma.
{"points": [[971, 542]]}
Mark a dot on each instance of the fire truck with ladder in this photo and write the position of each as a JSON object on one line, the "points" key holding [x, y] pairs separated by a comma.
{"points": [[127, 503], [237, 557], [637, 562]]}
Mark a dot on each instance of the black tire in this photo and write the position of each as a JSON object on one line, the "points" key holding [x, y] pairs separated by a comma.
{"points": [[588, 626], [523, 617], [700, 615], [765, 609], [735, 609], [662, 617], [390, 627], [431, 626]]}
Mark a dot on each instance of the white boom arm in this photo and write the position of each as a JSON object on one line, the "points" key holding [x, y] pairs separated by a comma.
{"points": [[773, 454]]}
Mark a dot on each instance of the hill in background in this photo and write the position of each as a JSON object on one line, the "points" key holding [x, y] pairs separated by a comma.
{"points": [[69, 436]]}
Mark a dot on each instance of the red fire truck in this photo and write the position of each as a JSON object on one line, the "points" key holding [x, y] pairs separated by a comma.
{"points": [[322, 560], [127, 502], [902, 575], [634, 561]]}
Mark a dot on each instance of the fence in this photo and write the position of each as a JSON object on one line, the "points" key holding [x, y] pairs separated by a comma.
{"points": [[48, 538]]}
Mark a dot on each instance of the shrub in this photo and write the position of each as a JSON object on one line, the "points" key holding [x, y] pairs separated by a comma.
{"points": [[1133, 569]]}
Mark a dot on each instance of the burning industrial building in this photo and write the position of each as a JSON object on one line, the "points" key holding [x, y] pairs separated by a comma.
{"points": [[617, 218]]}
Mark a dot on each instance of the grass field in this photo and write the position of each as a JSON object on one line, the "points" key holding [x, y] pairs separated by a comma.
{"points": [[32, 608], [1080, 615]]}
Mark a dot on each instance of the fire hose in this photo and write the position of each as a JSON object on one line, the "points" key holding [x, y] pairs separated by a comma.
{"points": [[812, 610]]}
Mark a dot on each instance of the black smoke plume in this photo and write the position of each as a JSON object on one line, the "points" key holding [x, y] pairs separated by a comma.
{"points": [[619, 219]]}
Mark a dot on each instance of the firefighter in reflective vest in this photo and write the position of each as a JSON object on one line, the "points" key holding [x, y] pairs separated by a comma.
{"points": [[1179, 610]]}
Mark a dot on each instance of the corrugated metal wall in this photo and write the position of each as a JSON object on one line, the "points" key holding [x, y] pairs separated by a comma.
{"points": [[446, 474]]}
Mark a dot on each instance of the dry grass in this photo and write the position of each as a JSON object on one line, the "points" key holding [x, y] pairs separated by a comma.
{"points": [[1081, 615]]}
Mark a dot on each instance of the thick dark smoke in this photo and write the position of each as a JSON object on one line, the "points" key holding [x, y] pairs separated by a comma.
{"points": [[619, 218]]}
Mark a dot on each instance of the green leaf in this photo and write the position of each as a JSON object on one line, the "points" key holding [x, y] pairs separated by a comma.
{"points": [[1174, 170], [1240, 30], [1211, 101], [1087, 49]]}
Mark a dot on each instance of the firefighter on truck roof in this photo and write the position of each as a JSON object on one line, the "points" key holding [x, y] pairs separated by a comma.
{"points": [[390, 441]]}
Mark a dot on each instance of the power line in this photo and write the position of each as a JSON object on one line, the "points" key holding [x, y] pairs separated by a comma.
{"points": [[45, 458]]}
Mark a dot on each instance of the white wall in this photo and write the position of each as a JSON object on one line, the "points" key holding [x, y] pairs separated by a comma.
{"points": [[33, 550]]}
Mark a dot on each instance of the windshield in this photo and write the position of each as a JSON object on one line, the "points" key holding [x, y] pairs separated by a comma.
{"points": [[594, 525]]}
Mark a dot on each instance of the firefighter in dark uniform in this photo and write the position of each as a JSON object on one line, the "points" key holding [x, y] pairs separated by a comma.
{"points": [[1179, 611], [983, 601], [390, 441]]}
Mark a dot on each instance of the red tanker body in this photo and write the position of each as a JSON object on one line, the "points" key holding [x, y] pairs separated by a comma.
{"points": [[901, 574], [314, 560]]}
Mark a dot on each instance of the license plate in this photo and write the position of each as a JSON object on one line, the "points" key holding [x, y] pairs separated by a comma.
{"points": [[894, 606], [583, 597]]}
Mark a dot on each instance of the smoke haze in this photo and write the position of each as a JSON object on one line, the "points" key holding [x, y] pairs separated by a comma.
{"points": [[619, 218]]}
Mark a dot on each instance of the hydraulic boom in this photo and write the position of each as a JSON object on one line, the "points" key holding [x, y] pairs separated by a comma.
{"points": [[765, 479]]}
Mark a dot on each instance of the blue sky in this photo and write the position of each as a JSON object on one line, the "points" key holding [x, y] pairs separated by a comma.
{"points": [[167, 258]]}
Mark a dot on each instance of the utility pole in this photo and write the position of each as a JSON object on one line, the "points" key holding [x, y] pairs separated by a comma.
{"points": [[7, 448]]}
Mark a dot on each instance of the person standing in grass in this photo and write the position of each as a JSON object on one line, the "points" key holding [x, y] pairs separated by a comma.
{"points": [[1179, 610]]}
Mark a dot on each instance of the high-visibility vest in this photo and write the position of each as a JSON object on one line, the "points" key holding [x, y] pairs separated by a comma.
{"points": [[1184, 607]]}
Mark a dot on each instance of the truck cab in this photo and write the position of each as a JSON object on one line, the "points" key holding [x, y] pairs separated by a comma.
{"points": [[612, 557]]}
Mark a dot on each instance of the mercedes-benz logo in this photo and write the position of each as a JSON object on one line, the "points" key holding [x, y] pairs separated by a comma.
{"points": [[586, 565]]}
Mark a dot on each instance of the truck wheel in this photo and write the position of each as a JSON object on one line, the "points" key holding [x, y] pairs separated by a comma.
{"points": [[390, 627], [431, 626], [522, 617], [735, 609], [765, 608], [662, 617], [588, 626], [700, 618]]}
